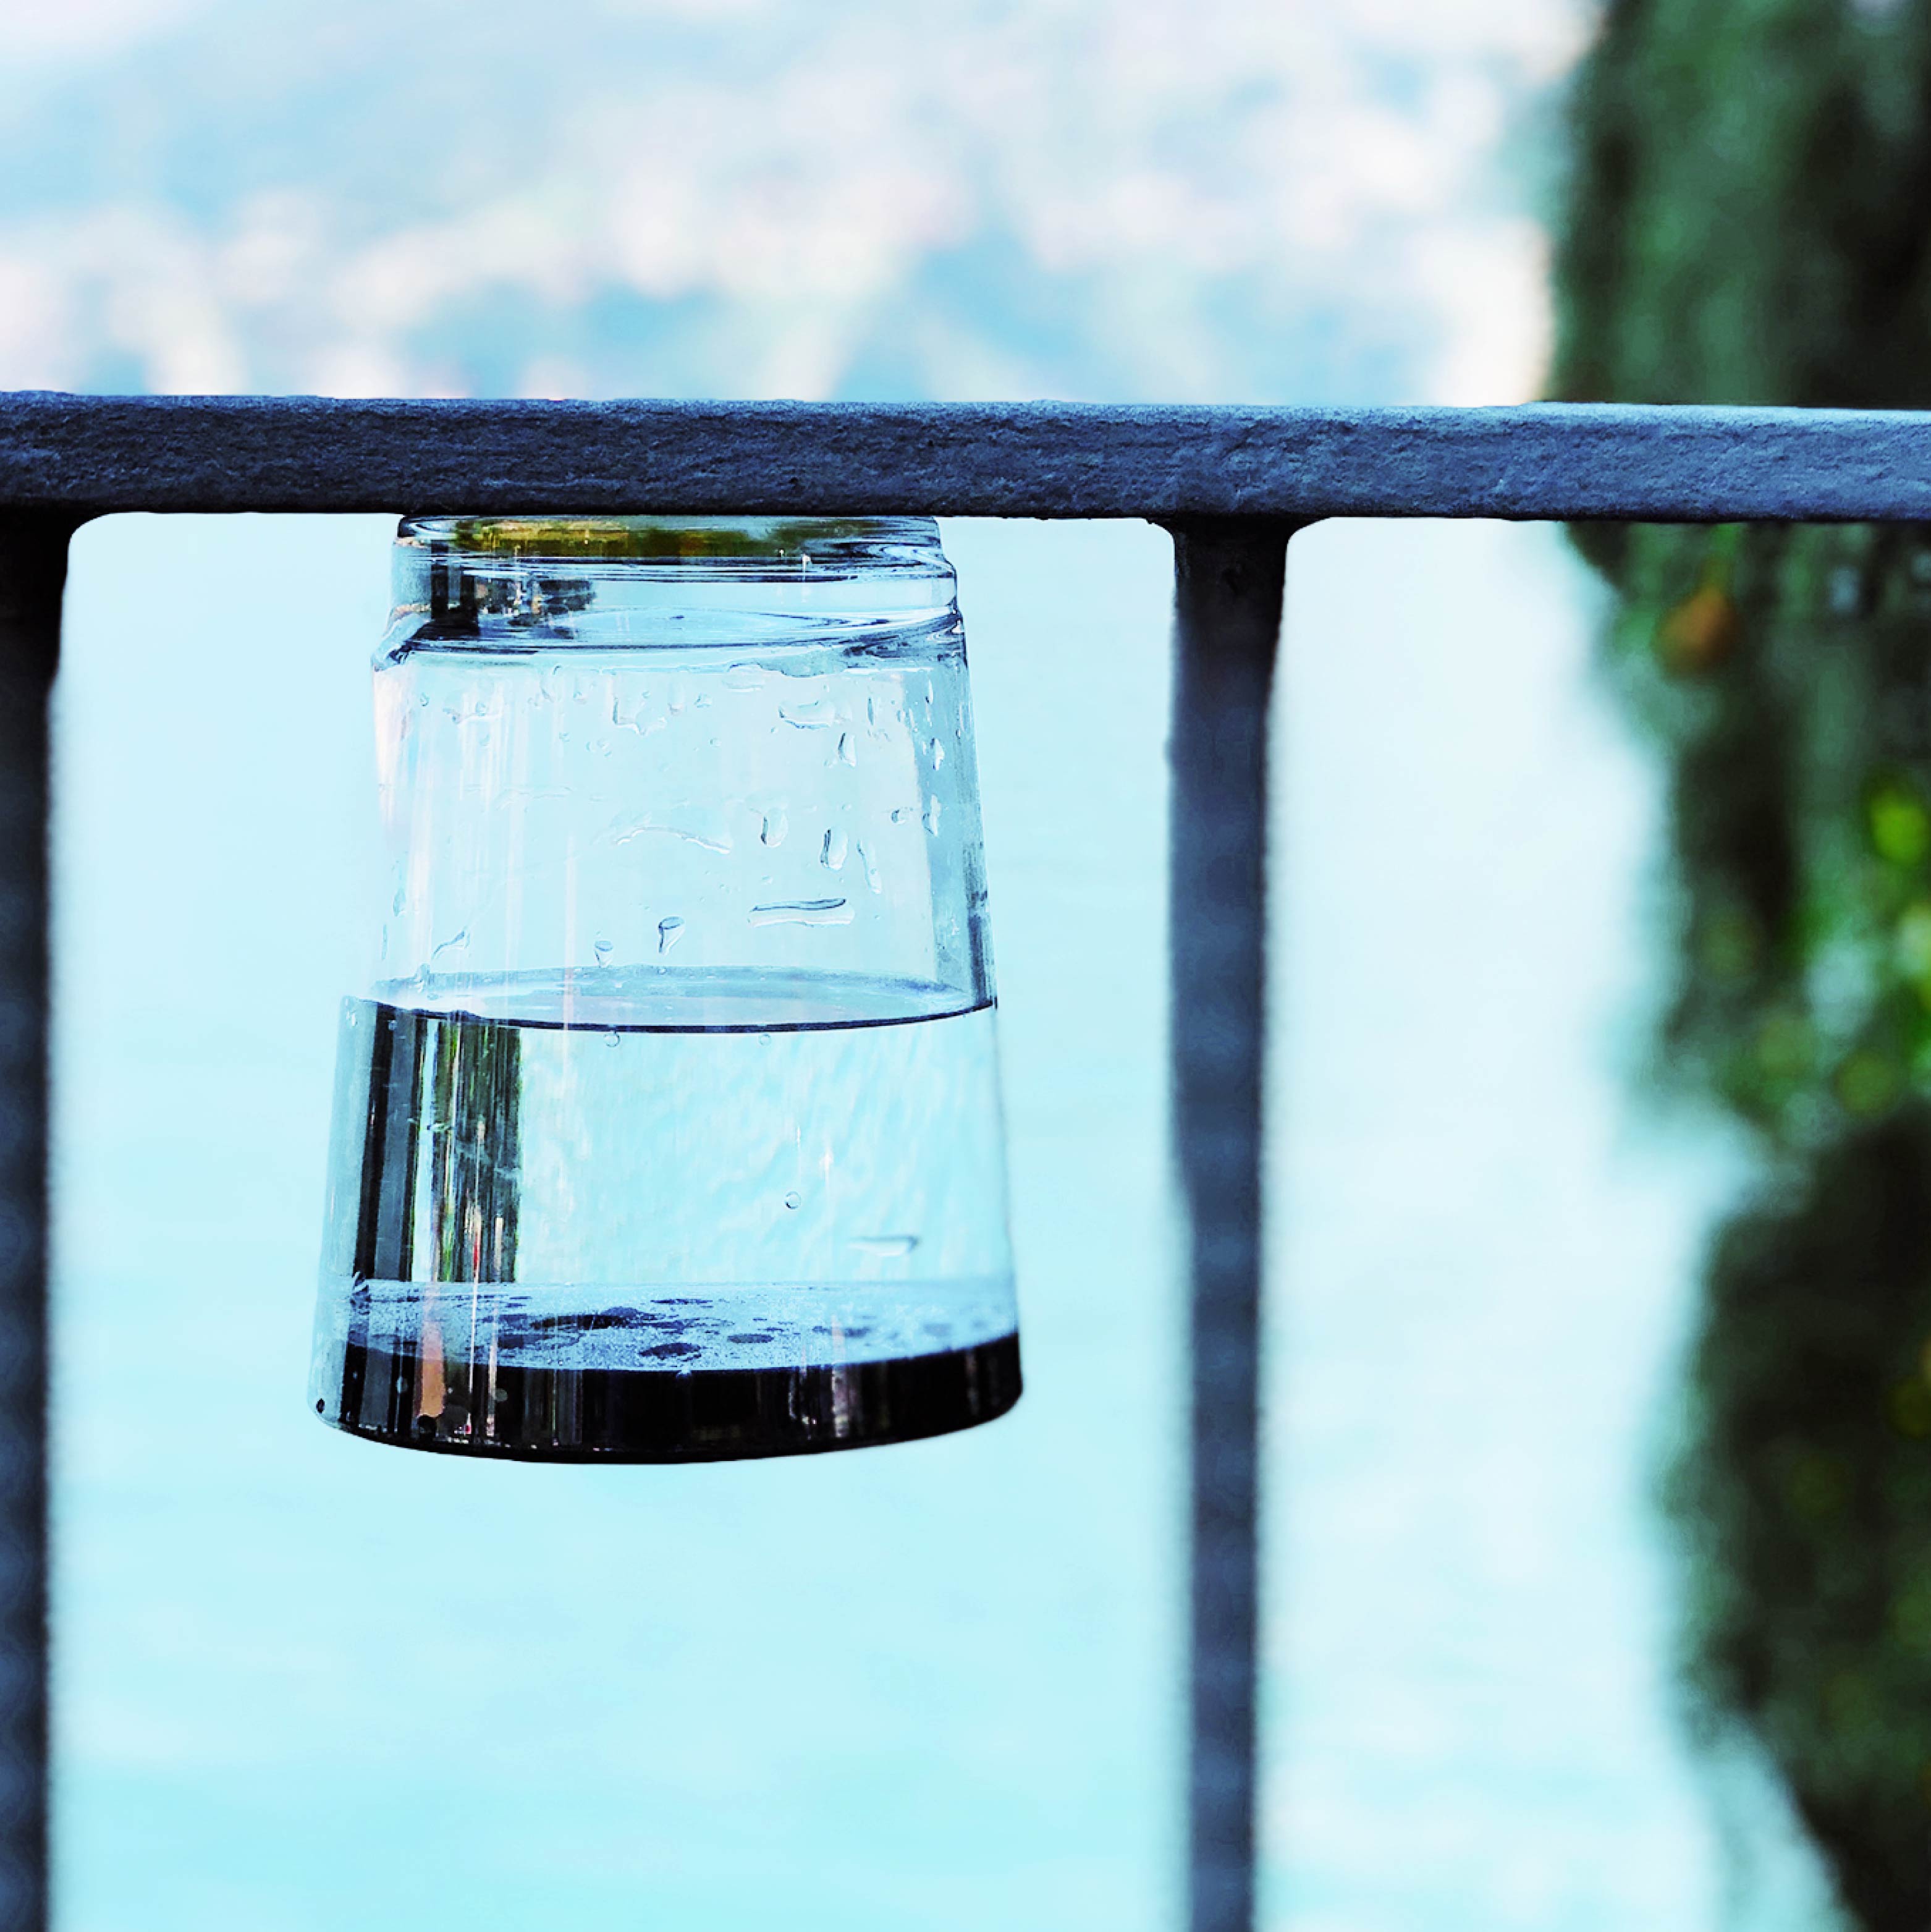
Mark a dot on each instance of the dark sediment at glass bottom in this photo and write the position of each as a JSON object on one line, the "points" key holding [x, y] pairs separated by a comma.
{"points": [[556, 1414]]}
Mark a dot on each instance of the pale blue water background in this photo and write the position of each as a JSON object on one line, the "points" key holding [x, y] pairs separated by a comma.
{"points": [[305, 1682], [301, 1682]]}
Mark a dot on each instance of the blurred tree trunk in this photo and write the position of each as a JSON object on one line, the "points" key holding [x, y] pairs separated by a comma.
{"points": [[1748, 219]]}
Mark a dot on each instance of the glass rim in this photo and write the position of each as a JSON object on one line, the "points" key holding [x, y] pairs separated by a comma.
{"points": [[731, 542]]}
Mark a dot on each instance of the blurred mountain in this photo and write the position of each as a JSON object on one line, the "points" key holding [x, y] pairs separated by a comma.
{"points": [[1090, 198]]}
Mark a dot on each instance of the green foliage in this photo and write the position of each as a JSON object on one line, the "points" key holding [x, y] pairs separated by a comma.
{"points": [[1747, 216], [1788, 675], [1809, 1497], [1749, 219]]}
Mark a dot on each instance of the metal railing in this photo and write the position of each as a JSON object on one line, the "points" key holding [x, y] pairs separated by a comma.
{"points": [[1232, 485]]}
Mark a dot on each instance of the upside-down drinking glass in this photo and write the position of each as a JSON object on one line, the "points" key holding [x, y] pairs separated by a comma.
{"points": [[667, 1127]]}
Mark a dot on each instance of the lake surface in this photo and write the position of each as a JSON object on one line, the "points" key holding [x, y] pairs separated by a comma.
{"points": [[302, 1681]]}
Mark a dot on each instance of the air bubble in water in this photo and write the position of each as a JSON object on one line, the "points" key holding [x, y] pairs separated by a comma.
{"points": [[794, 1200], [669, 931]]}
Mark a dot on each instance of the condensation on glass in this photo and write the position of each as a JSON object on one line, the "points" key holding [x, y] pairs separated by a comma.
{"points": [[667, 1127]]}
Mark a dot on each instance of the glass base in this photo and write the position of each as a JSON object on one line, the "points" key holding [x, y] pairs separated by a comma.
{"points": [[556, 1414]]}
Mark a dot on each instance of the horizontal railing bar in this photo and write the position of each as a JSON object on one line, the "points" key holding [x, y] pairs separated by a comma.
{"points": [[93, 455]]}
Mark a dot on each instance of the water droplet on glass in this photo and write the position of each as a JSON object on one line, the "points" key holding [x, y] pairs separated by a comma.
{"points": [[870, 865], [669, 931], [745, 677], [696, 824], [794, 1200], [932, 816], [460, 940], [847, 751], [400, 903], [632, 720], [938, 752], [885, 1247], [814, 714], [773, 828], [802, 912], [832, 855], [603, 949], [610, 1040]]}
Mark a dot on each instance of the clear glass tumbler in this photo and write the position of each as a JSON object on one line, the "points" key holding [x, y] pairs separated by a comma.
{"points": [[668, 1127]]}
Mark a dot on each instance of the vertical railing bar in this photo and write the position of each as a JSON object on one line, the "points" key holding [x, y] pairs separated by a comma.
{"points": [[1228, 576], [33, 571]]}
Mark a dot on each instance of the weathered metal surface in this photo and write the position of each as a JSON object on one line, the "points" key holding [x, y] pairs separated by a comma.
{"points": [[33, 562], [1227, 619], [97, 453]]}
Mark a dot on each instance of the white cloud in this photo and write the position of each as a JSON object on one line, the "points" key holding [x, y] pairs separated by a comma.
{"points": [[35, 31], [36, 329]]}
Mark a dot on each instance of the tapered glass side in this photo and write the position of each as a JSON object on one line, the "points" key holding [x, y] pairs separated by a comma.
{"points": [[669, 1129]]}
